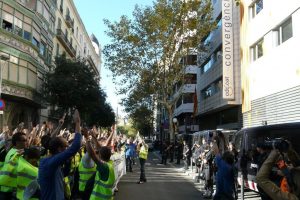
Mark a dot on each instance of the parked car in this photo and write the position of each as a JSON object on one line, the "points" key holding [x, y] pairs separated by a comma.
{"points": [[246, 141]]}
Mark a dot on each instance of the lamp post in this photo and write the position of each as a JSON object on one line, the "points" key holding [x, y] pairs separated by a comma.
{"points": [[3, 59]]}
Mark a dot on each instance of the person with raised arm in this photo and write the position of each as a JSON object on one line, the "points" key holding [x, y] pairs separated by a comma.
{"points": [[51, 173]]}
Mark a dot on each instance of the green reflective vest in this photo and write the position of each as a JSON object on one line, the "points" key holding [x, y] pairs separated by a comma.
{"points": [[84, 175], [103, 189], [143, 152], [26, 173], [8, 172]]}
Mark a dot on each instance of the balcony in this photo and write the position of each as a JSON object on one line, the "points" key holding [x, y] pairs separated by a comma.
{"points": [[186, 88], [92, 64], [184, 108], [65, 42], [188, 128], [69, 21], [191, 69]]}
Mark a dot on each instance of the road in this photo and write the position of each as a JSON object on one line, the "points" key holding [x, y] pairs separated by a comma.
{"points": [[163, 183]]}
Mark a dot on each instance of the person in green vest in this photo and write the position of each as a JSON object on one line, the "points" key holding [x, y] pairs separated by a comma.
{"points": [[8, 172], [143, 154], [27, 173], [105, 175], [87, 169]]}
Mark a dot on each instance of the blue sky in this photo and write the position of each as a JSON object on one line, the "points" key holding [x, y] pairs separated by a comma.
{"points": [[92, 13]]}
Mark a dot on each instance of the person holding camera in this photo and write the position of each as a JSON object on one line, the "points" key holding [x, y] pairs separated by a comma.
{"points": [[282, 150]]}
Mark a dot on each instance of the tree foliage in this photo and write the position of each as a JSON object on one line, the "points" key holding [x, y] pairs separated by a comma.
{"points": [[145, 51], [73, 85]]}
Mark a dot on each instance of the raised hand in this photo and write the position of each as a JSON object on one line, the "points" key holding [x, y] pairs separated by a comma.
{"points": [[76, 116]]}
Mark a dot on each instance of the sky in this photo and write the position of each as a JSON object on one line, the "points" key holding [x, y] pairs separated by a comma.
{"points": [[92, 13]]}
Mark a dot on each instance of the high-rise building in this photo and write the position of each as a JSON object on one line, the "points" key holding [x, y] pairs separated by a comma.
{"points": [[219, 81], [270, 34]]}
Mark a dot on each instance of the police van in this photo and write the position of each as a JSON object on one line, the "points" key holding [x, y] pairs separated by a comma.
{"points": [[246, 141]]}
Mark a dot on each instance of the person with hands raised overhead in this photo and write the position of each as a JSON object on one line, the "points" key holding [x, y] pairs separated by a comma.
{"points": [[51, 173], [105, 175]]}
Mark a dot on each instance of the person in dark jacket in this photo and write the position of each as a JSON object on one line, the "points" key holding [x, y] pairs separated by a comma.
{"points": [[50, 170]]}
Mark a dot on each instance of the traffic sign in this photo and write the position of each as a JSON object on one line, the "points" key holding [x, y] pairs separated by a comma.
{"points": [[2, 104]]}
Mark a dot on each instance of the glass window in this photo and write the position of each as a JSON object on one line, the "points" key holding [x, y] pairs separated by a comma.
{"points": [[255, 8], [31, 79], [259, 6], [42, 48], [35, 42], [27, 35], [7, 21], [13, 72], [287, 30], [283, 32], [22, 75], [18, 26], [257, 51], [39, 7]]}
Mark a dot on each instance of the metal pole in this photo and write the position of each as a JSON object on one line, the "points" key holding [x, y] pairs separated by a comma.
{"points": [[242, 186]]}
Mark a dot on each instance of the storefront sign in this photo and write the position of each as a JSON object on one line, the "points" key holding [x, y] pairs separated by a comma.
{"points": [[227, 36]]}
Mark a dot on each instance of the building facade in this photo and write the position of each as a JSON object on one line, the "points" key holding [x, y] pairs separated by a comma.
{"points": [[26, 45], [216, 109], [185, 92], [32, 33], [270, 34]]}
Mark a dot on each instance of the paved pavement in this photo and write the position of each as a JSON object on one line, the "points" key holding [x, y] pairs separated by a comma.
{"points": [[163, 183]]}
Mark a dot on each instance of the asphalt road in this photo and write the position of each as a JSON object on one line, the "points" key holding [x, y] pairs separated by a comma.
{"points": [[163, 183]]}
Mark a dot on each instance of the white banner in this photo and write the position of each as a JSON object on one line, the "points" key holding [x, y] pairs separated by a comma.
{"points": [[227, 36], [119, 166]]}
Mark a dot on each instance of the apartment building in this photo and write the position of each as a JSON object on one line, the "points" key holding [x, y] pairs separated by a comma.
{"points": [[219, 80], [26, 45], [270, 34], [72, 37], [32, 33], [185, 93]]}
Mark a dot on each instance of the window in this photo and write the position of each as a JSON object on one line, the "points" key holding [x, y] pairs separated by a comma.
{"points": [[27, 31], [7, 21], [18, 26], [42, 49], [57, 49], [283, 32], [255, 8], [256, 51], [35, 42]]}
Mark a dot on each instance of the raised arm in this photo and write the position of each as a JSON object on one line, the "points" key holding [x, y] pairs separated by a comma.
{"points": [[61, 122]]}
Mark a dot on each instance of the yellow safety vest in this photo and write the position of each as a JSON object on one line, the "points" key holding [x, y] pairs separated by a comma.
{"points": [[143, 152], [8, 172], [26, 173], [103, 189], [84, 175]]}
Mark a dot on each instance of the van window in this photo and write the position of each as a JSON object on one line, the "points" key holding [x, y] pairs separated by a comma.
{"points": [[238, 141]]}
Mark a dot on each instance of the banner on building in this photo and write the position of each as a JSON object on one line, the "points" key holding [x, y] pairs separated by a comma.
{"points": [[227, 41]]}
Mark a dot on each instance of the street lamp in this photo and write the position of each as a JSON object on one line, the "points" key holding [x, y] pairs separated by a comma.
{"points": [[175, 121]]}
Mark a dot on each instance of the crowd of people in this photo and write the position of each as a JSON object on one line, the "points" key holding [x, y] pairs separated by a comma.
{"points": [[217, 163], [53, 164]]}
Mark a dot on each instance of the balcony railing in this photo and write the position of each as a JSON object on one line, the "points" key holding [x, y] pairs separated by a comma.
{"points": [[65, 42], [92, 64], [69, 21]]}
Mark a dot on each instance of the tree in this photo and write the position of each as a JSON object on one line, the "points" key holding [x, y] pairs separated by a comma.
{"points": [[145, 52], [73, 85]]}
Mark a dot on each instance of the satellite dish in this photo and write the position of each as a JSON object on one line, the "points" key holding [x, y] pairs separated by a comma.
{"points": [[30, 190]]}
